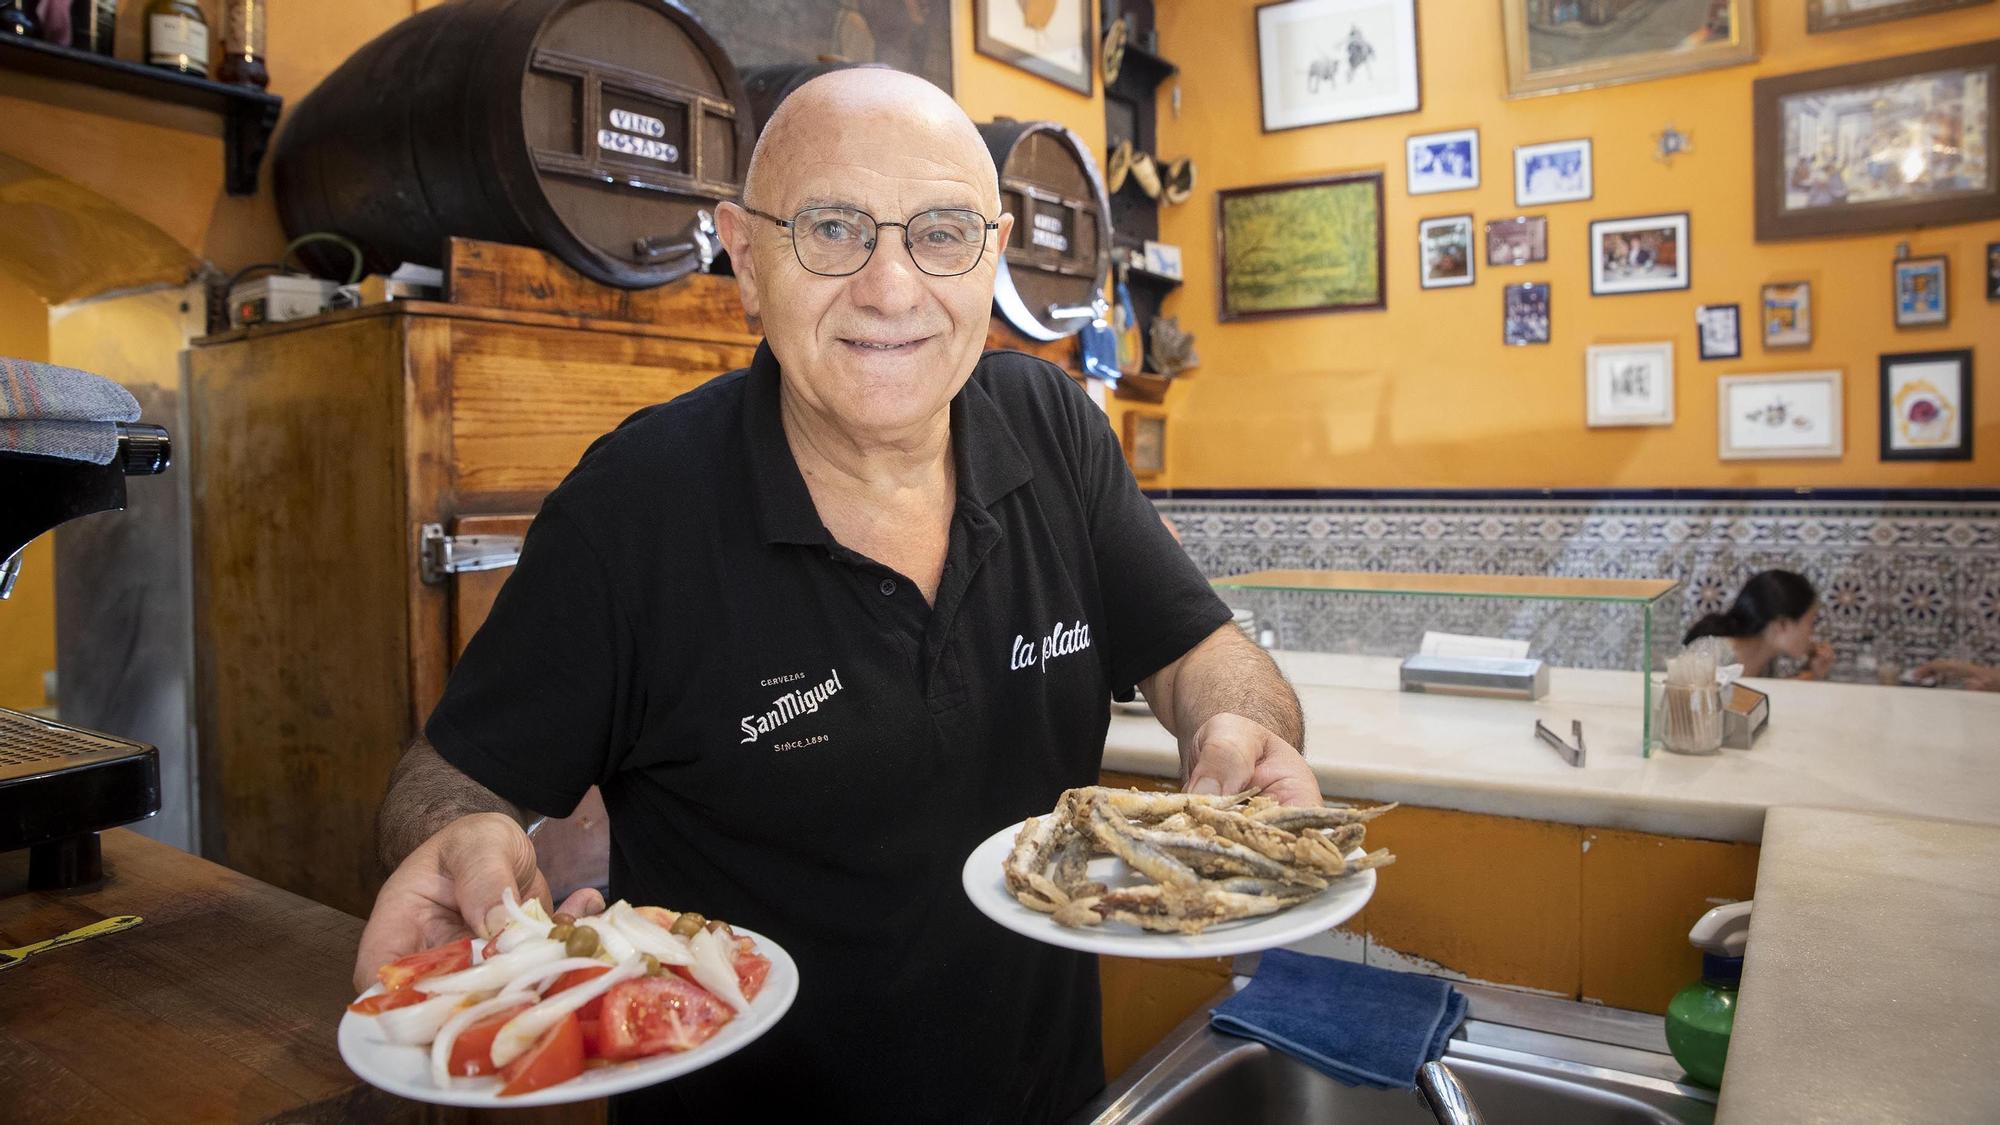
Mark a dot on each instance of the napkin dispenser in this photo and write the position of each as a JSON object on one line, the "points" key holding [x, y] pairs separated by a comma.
{"points": [[1745, 713], [1488, 676]]}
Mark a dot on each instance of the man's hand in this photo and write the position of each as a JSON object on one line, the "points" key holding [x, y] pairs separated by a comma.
{"points": [[450, 887], [1232, 753]]}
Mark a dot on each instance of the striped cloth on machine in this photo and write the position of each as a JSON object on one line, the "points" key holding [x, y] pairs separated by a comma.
{"points": [[52, 411]]}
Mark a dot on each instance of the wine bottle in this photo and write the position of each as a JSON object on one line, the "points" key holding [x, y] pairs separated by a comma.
{"points": [[93, 26], [17, 17], [243, 44], [177, 37]]}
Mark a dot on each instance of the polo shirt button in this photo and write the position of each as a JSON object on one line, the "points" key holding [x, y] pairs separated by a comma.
{"points": [[888, 587]]}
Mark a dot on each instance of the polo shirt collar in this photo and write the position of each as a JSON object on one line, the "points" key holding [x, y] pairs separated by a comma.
{"points": [[989, 459]]}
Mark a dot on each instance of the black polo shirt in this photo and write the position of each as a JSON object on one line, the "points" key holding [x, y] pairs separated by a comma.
{"points": [[790, 739]]}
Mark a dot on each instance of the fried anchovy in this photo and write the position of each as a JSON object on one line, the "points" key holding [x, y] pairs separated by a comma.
{"points": [[1294, 818]]}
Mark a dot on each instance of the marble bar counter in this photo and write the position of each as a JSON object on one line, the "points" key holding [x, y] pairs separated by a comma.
{"points": [[1900, 751], [1869, 990]]}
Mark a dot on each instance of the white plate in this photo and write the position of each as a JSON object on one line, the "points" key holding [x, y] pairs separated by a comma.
{"points": [[406, 1071], [987, 888]]}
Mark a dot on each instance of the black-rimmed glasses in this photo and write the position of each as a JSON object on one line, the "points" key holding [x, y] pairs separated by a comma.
{"points": [[838, 241]]}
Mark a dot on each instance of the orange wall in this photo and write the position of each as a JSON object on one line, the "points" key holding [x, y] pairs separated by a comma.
{"points": [[1424, 394], [28, 619]]}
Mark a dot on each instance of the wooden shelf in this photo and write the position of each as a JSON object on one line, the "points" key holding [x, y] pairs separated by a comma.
{"points": [[1145, 66], [1139, 276], [249, 115]]}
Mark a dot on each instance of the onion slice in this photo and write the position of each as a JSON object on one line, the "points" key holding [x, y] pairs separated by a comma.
{"points": [[497, 971], [448, 1035], [648, 936], [520, 1033], [715, 968], [418, 1024]]}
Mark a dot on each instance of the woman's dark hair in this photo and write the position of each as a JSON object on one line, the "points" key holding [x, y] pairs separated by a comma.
{"points": [[1770, 595]]}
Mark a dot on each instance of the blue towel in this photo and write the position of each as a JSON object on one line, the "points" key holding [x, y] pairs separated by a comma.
{"points": [[1355, 1024]]}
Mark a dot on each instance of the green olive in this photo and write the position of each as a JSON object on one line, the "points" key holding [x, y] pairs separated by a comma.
{"points": [[564, 919], [689, 924], [561, 931], [582, 942], [653, 968]]}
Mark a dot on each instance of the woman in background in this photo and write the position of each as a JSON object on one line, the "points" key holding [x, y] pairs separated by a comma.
{"points": [[1773, 615]]}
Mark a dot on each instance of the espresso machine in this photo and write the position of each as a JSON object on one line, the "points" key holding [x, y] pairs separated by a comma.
{"points": [[61, 785]]}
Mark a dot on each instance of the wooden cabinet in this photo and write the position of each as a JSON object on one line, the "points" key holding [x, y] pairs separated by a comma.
{"points": [[319, 452]]}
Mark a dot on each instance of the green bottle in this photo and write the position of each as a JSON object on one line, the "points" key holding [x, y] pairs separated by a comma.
{"points": [[1699, 1016]]}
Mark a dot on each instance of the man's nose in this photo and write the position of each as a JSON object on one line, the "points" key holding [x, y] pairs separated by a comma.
{"points": [[890, 279]]}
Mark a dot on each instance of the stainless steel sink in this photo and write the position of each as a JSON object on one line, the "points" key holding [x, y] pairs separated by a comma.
{"points": [[1529, 1060]]}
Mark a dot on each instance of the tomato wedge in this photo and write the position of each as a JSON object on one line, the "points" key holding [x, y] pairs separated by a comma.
{"points": [[653, 1015], [751, 968], [472, 1051], [383, 1001], [575, 977], [556, 1057], [406, 971]]}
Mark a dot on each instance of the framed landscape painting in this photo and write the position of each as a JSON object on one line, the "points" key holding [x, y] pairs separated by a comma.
{"points": [[1310, 246], [1880, 145], [1557, 45]]}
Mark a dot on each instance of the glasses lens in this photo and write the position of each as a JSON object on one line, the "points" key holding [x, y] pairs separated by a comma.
{"points": [[832, 240], [947, 242]]}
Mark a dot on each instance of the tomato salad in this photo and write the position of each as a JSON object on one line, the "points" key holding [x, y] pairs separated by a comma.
{"points": [[548, 997]]}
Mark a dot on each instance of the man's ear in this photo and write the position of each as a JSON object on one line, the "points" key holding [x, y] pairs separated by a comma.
{"points": [[733, 224], [1006, 230]]}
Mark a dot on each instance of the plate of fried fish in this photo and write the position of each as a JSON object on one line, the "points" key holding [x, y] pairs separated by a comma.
{"points": [[1172, 875]]}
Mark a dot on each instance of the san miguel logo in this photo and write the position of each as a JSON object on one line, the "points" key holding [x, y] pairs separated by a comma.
{"points": [[789, 706], [1061, 641]]}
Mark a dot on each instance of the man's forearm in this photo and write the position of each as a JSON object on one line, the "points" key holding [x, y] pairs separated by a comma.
{"points": [[425, 794], [1225, 673]]}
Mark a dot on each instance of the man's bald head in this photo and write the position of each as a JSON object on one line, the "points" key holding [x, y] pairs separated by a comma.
{"points": [[882, 104]]}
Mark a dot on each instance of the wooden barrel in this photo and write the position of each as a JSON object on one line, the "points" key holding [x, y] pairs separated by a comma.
{"points": [[602, 131], [1059, 255]]}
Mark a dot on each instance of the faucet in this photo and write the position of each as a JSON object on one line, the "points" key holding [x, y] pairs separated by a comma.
{"points": [[1443, 1094]]}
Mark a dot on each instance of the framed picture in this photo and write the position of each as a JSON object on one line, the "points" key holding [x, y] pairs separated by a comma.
{"points": [[1879, 145], [1920, 292], [1787, 314], [1445, 251], [1524, 314], [1629, 384], [1517, 241], [915, 37], [1791, 415], [1443, 161], [1052, 38], [1555, 172], [1721, 331], [1927, 406], [1993, 271], [1833, 15], [1146, 442], [1311, 246], [1320, 61], [1554, 45], [1640, 255]]}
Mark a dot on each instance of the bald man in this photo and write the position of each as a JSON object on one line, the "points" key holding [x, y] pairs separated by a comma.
{"points": [[819, 627]]}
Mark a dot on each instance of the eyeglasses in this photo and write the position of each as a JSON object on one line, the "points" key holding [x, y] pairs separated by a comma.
{"points": [[838, 241]]}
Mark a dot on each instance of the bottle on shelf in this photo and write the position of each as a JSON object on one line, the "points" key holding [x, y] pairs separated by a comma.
{"points": [[93, 26], [243, 44], [177, 37], [17, 17]]}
